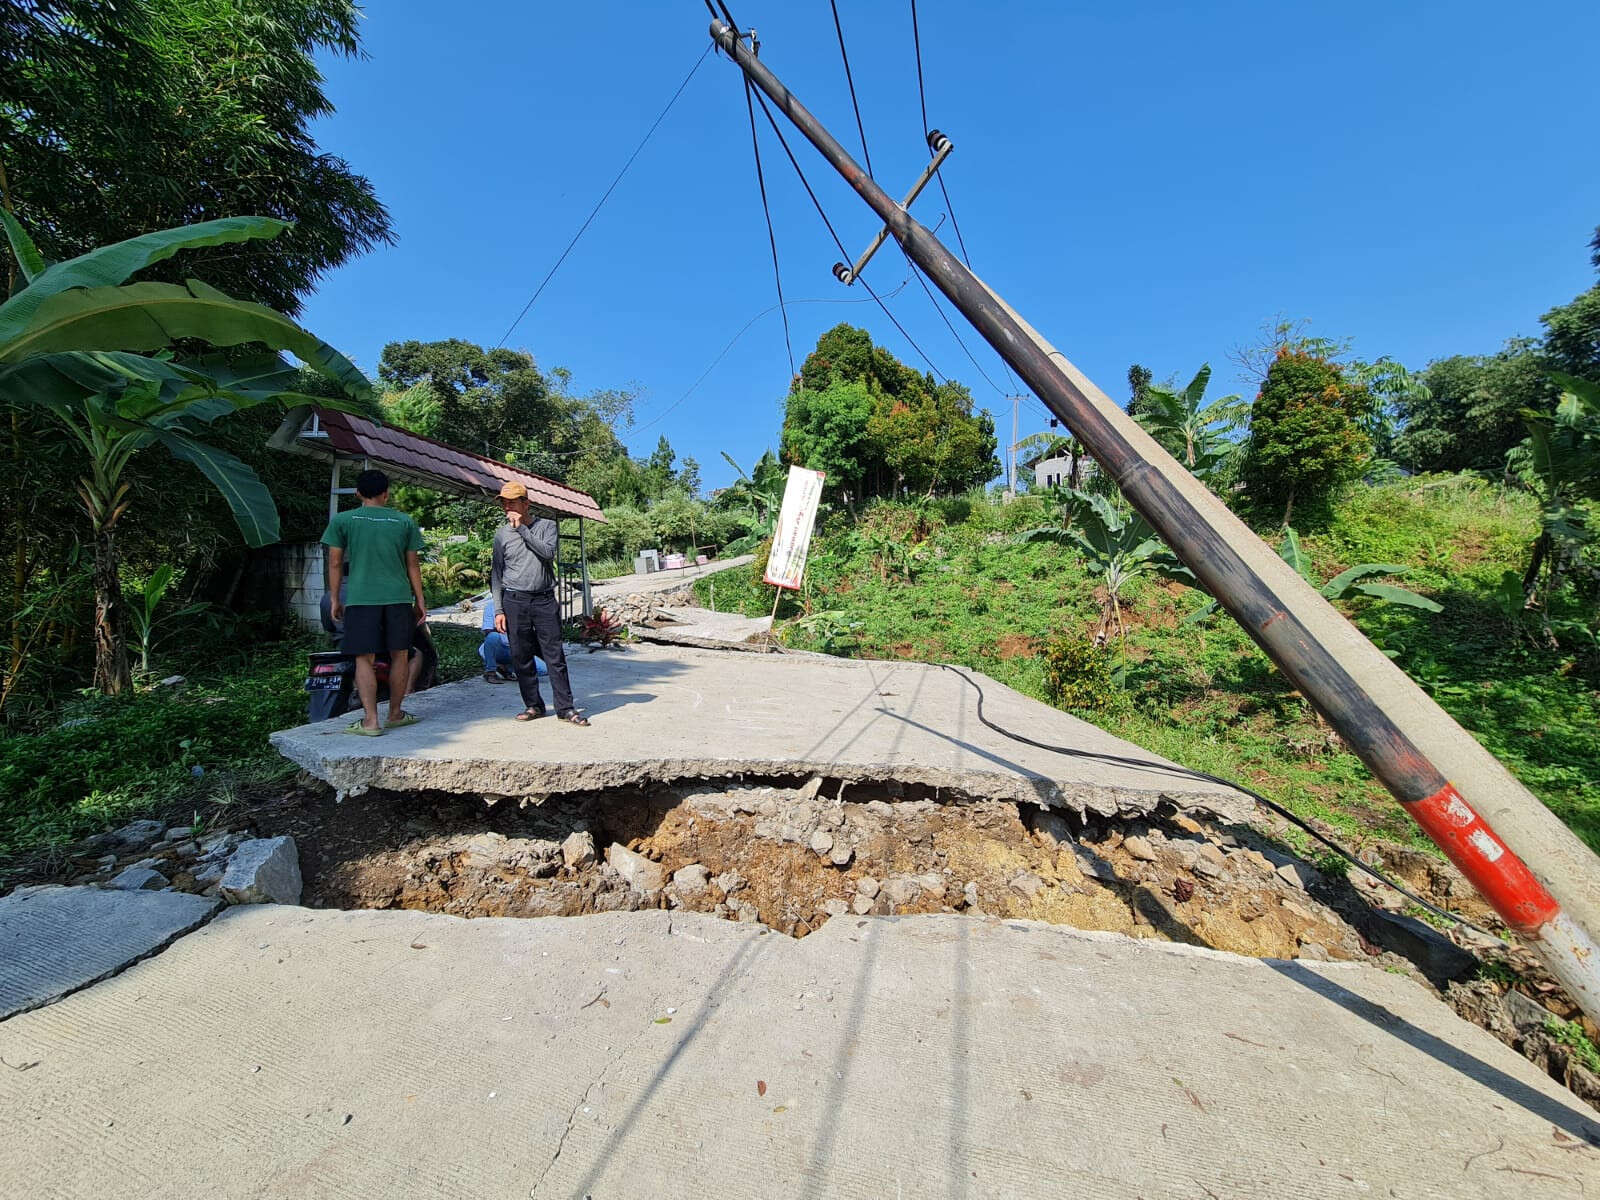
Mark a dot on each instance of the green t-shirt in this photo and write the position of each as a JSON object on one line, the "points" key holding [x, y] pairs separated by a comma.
{"points": [[375, 540]]}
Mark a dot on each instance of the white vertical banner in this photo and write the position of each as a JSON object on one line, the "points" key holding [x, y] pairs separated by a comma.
{"points": [[791, 541]]}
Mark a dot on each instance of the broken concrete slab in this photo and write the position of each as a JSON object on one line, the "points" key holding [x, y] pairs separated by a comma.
{"points": [[262, 871], [703, 627], [56, 940], [405, 1053], [666, 713]]}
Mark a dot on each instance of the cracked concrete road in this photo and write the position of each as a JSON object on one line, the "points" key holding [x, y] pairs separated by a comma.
{"points": [[666, 713], [285, 1052]]}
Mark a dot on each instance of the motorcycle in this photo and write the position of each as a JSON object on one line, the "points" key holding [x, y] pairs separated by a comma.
{"points": [[331, 674]]}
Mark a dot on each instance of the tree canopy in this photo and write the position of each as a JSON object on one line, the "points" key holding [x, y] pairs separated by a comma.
{"points": [[1306, 435], [879, 427], [149, 114]]}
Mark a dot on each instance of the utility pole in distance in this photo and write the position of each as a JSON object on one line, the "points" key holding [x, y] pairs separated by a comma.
{"points": [[1277, 617], [1016, 407]]}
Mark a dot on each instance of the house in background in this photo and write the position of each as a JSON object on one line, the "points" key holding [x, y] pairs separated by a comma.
{"points": [[1053, 468]]}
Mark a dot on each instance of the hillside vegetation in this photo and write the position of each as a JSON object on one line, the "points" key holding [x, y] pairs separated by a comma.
{"points": [[949, 581]]}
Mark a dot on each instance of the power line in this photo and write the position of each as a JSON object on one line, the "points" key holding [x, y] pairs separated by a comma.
{"points": [[772, 239], [904, 283], [806, 183], [601, 203], [850, 79], [938, 308], [922, 99]]}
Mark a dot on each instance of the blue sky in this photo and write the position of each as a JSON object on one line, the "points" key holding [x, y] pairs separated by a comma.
{"points": [[1144, 182]]}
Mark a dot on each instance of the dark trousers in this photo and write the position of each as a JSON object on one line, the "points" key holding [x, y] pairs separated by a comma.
{"points": [[533, 626]]}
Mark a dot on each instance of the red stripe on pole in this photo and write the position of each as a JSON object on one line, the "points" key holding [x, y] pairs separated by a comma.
{"points": [[1500, 876]]}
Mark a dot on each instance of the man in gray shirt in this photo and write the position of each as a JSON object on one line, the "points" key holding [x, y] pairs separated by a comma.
{"points": [[523, 581]]}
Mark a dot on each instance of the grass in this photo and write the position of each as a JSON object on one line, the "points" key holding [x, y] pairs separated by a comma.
{"points": [[102, 761], [948, 585]]}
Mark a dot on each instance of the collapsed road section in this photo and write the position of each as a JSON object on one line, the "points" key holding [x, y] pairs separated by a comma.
{"points": [[663, 714]]}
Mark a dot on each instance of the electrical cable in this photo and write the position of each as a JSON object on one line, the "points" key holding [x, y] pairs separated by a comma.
{"points": [[772, 238], [849, 79], [922, 99], [704, 374], [1188, 773], [934, 300], [601, 202], [806, 183]]}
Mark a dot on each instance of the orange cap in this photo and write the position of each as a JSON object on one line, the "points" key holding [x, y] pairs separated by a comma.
{"points": [[512, 490]]}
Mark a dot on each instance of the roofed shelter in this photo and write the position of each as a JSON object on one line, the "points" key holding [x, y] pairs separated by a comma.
{"points": [[344, 439]]}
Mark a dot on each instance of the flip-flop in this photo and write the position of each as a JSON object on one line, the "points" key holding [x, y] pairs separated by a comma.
{"points": [[405, 719], [360, 730]]}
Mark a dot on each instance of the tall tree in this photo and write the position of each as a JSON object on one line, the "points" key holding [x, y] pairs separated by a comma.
{"points": [[1471, 412], [488, 401], [1139, 378], [880, 425], [146, 114], [1306, 435]]}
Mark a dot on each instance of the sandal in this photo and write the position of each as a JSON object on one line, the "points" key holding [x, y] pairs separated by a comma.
{"points": [[529, 714], [403, 720], [573, 717], [360, 730]]}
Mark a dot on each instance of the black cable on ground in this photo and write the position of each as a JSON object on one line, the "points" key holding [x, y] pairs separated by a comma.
{"points": [[1187, 773], [594, 212]]}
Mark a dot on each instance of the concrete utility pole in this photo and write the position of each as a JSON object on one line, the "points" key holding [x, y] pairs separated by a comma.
{"points": [[1016, 406], [1407, 741]]}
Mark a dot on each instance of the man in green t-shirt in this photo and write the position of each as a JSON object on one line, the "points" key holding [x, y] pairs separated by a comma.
{"points": [[383, 604]]}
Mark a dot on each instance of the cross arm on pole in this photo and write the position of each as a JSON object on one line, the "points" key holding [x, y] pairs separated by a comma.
{"points": [[941, 147]]}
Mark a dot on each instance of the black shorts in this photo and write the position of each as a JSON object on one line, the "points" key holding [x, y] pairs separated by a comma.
{"points": [[376, 628]]}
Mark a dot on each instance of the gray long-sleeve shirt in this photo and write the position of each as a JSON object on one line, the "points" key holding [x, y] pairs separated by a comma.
{"points": [[523, 559]]}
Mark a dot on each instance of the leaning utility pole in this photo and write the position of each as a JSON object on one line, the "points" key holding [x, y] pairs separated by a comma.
{"points": [[1295, 627]]}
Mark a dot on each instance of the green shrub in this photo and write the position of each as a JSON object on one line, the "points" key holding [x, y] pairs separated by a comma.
{"points": [[1078, 674]]}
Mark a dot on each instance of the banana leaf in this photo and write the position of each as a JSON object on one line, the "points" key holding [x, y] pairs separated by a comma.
{"points": [[106, 266], [247, 497], [29, 260], [1398, 595], [151, 316]]}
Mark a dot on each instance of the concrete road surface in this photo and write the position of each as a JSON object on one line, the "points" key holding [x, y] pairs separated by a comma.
{"points": [[665, 713], [281, 1052]]}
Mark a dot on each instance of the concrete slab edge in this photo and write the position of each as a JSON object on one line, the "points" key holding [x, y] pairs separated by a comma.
{"points": [[202, 917], [531, 778]]}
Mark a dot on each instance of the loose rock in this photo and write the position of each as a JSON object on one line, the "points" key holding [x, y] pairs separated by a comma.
{"points": [[138, 879], [136, 835], [1140, 848], [691, 880], [577, 850], [641, 874], [262, 871]]}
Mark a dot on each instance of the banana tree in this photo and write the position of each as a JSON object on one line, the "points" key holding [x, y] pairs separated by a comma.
{"points": [[760, 492], [75, 341], [1559, 462], [1358, 580], [1118, 544], [1195, 433]]}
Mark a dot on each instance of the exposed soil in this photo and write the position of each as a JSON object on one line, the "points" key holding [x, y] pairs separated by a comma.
{"points": [[793, 855]]}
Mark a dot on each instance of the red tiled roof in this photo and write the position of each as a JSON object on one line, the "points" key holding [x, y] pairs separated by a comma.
{"points": [[411, 453]]}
